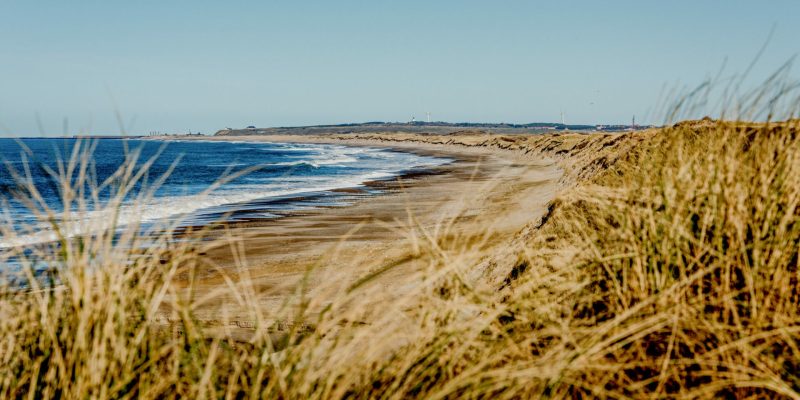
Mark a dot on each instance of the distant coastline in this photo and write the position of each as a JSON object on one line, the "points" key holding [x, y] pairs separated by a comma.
{"points": [[440, 128], [415, 127]]}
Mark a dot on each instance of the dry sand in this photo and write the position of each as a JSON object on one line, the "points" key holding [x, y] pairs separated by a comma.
{"points": [[480, 201]]}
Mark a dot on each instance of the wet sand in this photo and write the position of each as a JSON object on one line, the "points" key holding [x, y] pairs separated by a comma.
{"points": [[479, 201]]}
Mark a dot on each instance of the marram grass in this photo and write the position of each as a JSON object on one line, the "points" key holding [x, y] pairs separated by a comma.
{"points": [[669, 271]]}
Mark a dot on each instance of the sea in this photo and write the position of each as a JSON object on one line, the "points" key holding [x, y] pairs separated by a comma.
{"points": [[281, 179]]}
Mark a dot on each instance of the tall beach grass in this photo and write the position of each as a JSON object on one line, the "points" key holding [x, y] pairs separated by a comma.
{"points": [[667, 268]]}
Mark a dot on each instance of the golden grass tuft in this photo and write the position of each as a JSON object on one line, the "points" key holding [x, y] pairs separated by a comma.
{"points": [[670, 269], [686, 257]]}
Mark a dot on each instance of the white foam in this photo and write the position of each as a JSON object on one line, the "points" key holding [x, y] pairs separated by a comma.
{"points": [[317, 162], [167, 207], [176, 206]]}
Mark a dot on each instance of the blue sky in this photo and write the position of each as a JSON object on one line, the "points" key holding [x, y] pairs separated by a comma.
{"points": [[175, 66]]}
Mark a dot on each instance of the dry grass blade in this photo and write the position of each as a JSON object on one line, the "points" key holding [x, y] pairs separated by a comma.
{"points": [[667, 267]]}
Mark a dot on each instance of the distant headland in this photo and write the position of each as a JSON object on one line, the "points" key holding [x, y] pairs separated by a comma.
{"points": [[425, 127]]}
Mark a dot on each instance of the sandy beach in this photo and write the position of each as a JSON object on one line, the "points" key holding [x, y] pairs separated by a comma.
{"points": [[400, 200], [481, 200]]}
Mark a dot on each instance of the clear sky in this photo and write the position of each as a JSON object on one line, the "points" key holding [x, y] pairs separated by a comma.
{"points": [[175, 66]]}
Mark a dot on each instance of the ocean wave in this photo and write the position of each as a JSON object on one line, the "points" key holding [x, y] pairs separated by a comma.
{"points": [[317, 162], [179, 208]]}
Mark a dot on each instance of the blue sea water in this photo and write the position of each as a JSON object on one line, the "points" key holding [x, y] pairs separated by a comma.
{"points": [[287, 175]]}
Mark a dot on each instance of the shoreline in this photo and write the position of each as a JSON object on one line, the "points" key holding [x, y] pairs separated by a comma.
{"points": [[480, 200], [293, 201]]}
